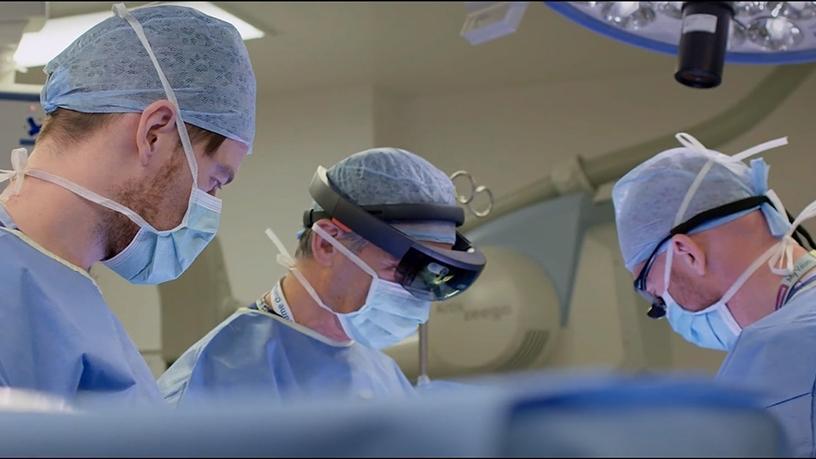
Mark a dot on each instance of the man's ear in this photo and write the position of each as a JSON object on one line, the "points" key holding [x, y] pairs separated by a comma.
{"points": [[322, 250], [156, 129], [690, 254]]}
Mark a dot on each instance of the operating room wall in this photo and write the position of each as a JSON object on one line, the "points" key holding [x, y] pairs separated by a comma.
{"points": [[509, 137], [14, 127]]}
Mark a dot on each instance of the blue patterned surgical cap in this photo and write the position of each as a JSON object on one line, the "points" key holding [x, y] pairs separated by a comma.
{"points": [[648, 198], [107, 70], [382, 176]]}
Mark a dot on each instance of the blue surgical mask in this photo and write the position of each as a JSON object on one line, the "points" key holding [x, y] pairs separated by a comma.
{"points": [[713, 327], [390, 313], [153, 256]]}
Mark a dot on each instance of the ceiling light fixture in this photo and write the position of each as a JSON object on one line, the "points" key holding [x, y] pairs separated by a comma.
{"points": [[38, 48]]}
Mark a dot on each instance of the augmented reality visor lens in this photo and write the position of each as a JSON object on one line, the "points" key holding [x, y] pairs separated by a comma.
{"points": [[430, 279]]}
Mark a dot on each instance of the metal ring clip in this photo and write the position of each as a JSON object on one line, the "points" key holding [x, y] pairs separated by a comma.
{"points": [[467, 199]]}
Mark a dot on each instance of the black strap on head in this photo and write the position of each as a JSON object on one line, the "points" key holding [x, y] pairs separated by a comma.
{"points": [[329, 198], [801, 231], [659, 310], [721, 211], [399, 212], [798, 235]]}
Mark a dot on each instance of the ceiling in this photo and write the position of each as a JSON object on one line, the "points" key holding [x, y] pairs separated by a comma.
{"points": [[412, 47]]}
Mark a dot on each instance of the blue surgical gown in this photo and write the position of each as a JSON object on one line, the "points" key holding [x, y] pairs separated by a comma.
{"points": [[57, 335], [777, 356], [257, 351]]}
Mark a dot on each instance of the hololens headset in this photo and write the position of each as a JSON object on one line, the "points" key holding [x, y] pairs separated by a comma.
{"points": [[427, 272]]}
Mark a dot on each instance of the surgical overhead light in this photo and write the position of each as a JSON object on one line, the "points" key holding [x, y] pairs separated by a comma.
{"points": [[704, 35]]}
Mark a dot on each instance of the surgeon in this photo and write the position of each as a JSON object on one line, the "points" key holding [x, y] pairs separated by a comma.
{"points": [[379, 245], [150, 113], [713, 250]]}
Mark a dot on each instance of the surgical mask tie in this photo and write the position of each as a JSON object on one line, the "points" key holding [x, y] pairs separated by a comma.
{"points": [[287, 261], [19, 166], [388, 315]]}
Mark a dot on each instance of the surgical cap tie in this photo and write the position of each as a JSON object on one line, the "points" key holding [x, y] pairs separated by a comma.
{"points": [[688, 141], [19, 167], [779, 255]]}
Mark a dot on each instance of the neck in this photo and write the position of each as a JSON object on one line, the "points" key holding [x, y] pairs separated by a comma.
{"points": [[57, 219], [757, 297], [307, 312]]}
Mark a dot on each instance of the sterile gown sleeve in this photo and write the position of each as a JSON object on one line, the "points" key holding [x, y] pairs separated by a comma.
{"points": [[777, 357]]}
